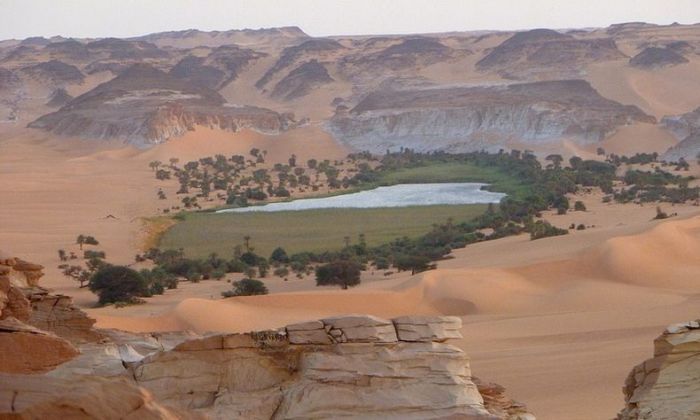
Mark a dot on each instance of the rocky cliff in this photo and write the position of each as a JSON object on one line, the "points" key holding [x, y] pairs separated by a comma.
{"points": [[354, 366], [685, 128], [145, 106], [667, 386], [539, 52], [473, 118]]}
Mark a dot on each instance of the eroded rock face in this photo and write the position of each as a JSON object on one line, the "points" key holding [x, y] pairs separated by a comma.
{"points": [[667, 386], [656, 57], [352, 367], [686, 128], [463, 119], [25, 349], [145, 106], [39, 397]]}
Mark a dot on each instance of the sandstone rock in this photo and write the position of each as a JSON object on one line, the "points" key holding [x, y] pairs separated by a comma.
{"points": [[25, 349], [266, 375], [363, 328], [57, 314], [498, 404], [427, 328], [312, 332], [667, 386], [465, 119], [39, 397]]}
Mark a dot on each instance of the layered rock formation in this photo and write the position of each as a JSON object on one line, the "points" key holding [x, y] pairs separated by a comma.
{"points": [[54, 72], [39, 397], [37, 330], [354, 366], [461, 119], [531, 53], [145, 106], [685, 128], [655, 57], [218, 68], [302, 80], [667, 386]]}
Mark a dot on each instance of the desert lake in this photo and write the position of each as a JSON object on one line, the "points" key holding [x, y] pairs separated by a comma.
{"points": [[401, 195]]}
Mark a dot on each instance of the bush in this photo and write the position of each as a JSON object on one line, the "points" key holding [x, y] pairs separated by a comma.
{"points": [[114, 283], [88, 255], [246, 287], [579, 206], [279, 256], [541, 229], [281, 272], [343, 273], [581, 227]]}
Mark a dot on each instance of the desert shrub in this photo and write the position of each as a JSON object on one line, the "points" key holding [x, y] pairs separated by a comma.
{"points": [[343, 273], [88, 255], [581, 226], [115, 283], [281, 272], [541, 229], [279, 256], [246, 287], [579, 206]]}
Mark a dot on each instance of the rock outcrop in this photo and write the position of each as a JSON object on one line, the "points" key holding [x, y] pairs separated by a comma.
{"points": [[39, 397], [655, 57], [302, 80], [145, 106], [54, 72], [461, 119], [217, 69], [352, 367], [529, 54], [685, 128], [26, 349], [58, 98], [667, 386]]}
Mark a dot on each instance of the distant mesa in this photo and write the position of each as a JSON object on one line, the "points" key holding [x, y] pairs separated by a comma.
{"points": [[545, 50], [461, 119], [54, 72], [685, 128], [302, 80], [313, 48], [655, 57], [216, 70], [145, 106]]}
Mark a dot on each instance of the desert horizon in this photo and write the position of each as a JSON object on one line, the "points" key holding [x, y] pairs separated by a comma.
{"points": [[260, 223]]}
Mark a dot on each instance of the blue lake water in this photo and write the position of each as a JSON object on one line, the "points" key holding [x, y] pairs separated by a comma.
{"points": [[401, 195]]}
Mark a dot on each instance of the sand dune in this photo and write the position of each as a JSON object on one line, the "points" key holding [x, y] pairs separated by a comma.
{"points": [[669, 91], [558, 321]]}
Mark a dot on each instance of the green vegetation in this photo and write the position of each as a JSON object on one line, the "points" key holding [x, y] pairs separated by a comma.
{"points": [[343, 273], [246, 287], [306, 231], [114, 283]]}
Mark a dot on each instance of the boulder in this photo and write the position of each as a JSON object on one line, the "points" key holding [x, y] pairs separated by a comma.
{"points": [[427, 328], [39, 397], [667, 386], [26, 349]]}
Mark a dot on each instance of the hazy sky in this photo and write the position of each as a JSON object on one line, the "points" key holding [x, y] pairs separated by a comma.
{"points": [[123, 18]]}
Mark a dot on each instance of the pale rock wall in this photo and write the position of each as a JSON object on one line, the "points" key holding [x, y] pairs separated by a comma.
{"points": [[667, 386]]}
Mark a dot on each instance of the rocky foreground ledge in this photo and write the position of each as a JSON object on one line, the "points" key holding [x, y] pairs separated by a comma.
{"points": [[667, 386], [54, 364]]}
